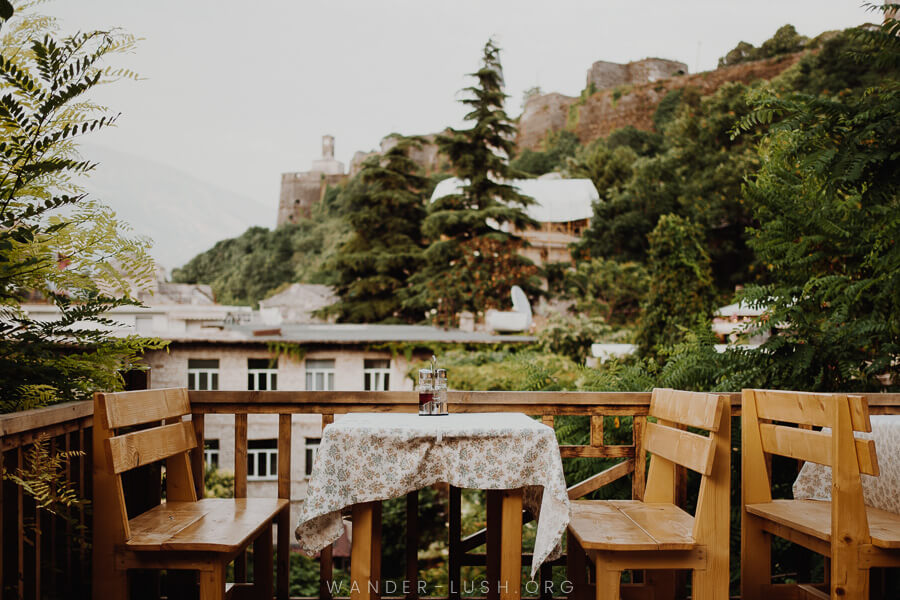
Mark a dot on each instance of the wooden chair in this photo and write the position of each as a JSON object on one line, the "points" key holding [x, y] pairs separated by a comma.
{"points": [[855, 537], [655, 534], [182, 532]]}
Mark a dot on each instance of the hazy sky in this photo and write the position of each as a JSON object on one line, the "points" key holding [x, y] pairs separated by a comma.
{"points": [[238, 92]]}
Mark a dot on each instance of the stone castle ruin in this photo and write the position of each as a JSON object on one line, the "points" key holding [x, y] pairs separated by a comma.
{"points": [[603, 75], [301, 189]]}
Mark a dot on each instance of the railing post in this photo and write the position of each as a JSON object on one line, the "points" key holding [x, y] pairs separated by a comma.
{"points": [[412, 544], [240, 483], [454, 570], [638, 480], [198, 465], [284, 491]]}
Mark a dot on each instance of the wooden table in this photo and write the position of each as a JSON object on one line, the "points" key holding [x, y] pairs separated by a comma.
{"points": [[366, 458]]}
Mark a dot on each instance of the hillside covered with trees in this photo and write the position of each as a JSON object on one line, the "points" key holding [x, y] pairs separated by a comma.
{"points": [[747, 188]]}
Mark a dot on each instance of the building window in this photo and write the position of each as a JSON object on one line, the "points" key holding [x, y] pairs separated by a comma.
{"points": [[319, 375], [203, 374], [312, 446], [211, 454], [262, 374], [262, 460], [376, 374]]}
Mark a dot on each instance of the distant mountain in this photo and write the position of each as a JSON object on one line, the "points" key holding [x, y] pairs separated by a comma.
{"points": [[181, 214]]}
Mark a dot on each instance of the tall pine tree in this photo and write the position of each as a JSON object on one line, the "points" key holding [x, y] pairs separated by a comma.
{"points": [[473, 258], [385, 207]]}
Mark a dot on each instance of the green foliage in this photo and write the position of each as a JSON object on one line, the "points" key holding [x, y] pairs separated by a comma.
{"points": [[681, 285], [607, 289], [667, 107], [828, 202], [609, 169], [697, 175], [507, 370], [572, 336], [785, 41], [644, 143], [218, 483], [252, 266], [43, 479], [432, 515], [55, 242], [460, 226], [385, 210], [558, 146]]}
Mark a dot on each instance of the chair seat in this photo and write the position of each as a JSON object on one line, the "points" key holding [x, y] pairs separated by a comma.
{"points": [[631, 525], [208, 525], [813, 517]]}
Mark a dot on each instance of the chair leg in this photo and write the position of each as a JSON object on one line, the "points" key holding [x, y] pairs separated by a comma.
{"points": [[212, 583], [576, 568], [263, 567], [710, 584], [608, 581], [756, 558]]}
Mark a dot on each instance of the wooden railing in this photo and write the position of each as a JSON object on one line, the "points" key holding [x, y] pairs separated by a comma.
{"points": [[37, 560]]}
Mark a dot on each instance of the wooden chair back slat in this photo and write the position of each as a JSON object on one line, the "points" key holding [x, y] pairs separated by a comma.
{"points": [[687, 449], [813, 446], [125, 409], [140, 448], [694, 409], [805, 408]]}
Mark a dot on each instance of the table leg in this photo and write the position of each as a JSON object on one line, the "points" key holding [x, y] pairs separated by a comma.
{"points": [[508, 582], [365, 552]]}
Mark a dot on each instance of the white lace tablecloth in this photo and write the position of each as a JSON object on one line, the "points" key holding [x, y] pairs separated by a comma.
{"points": [[365, 457], [814, 481]]}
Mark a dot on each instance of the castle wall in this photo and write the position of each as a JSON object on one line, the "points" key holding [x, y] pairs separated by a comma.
{"points": [[300, 191]]}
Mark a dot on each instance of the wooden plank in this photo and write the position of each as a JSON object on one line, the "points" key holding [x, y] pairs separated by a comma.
{"points": [[150, 445], [326, 567], [813, 446], [284, 519], [240, 482], [262, 565], [124, 409], [694, 409], [756, 547], [41, 418], [809, 408], [597, 430], [412, 544], [198, 460], [712, 518], [595, 452], [365, 552], [208, 525], [605, 477], [456, 550], [547, 420], [661, 477], [511, 545], [600, 525], [638, 481], [681, 447], [493, 542], [669, 526], [849, 526]]}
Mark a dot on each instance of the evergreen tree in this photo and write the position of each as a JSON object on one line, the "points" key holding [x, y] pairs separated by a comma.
{"points": [[681, 284], [473, 259], [385, 210]]}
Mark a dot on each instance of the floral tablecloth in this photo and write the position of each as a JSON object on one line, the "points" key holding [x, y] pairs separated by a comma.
{"points": [[365, 457], [814, 481]]}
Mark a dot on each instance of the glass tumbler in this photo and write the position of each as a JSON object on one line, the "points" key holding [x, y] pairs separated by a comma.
{"points": [[426, 391]]}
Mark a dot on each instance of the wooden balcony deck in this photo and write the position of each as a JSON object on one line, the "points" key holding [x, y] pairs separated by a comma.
{"points": [[40, 559]]}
